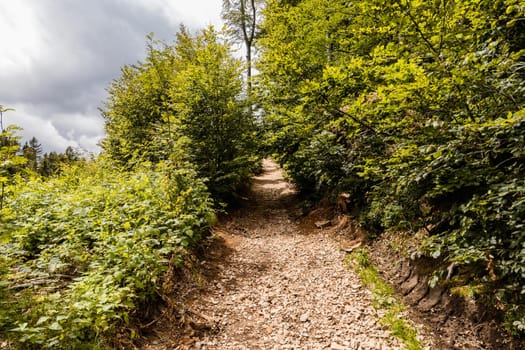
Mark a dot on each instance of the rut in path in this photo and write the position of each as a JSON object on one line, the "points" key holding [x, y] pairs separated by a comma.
{"points": [[282, 286]]}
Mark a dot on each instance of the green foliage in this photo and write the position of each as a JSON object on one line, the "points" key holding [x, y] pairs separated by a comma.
{"points": [[384, 298], [184, 103], [136, 112], [211, 114], [415, 108], [83, 250], [52, 163], [88, 244], [32, 151], [11, 162]]}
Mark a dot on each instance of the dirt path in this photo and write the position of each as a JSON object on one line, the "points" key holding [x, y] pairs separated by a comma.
{"points": [[276, 285]]}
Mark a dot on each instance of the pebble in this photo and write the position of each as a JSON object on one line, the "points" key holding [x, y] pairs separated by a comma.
{"points": [[283, 287], [335, 346]]}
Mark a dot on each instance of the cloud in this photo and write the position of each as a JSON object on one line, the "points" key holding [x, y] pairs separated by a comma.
{"points": [[60, 55], [48, 134]]}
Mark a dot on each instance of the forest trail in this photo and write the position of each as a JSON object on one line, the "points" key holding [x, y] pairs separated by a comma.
{"points": [[275, 283]]}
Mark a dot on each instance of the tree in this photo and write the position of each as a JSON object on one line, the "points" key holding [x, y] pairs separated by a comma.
{"points": [[137, 108], [418, 112], [36, 146], [10, 161], [53, 162], [32, 150], [211, 114], [241, 17], [71, 155], [184, 103]]}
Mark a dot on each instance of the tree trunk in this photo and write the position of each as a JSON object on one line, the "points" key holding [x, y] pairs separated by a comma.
{"points": [[2, 197], [249, 67]]}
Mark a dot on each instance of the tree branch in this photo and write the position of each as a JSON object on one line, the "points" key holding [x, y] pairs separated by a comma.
{"points": [[406, 11], [357, 120]]}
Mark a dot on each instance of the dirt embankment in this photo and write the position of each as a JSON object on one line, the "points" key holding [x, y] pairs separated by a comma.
{"points": [[457, 322]]}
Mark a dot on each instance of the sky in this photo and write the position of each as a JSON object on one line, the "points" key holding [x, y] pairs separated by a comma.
{"points": [[58, 57]]}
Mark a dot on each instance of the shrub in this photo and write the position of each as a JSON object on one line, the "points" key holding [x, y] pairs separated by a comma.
{"points": [[83, 250]]}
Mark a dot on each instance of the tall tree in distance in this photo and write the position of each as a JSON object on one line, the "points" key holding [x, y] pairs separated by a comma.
{"points": [[241, 19], [32, 150]]}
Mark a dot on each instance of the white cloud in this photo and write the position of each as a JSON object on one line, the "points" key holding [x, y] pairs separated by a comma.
{"points": [[195, 13], [19, 34], [44, 130], [59, 56]]}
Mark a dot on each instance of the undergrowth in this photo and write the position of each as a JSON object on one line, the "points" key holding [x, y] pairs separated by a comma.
{"points": [[384, 299], [83, 251], [416, 111]]}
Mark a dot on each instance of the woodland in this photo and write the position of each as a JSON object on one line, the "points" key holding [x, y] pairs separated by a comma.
{"points": [[413, 109]]}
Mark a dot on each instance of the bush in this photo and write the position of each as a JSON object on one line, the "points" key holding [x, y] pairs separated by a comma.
{"points": [[416, 110], [186, 102], [83, 250]]}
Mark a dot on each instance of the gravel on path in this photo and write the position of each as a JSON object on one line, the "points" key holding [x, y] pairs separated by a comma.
{"points": [[281, 286]]}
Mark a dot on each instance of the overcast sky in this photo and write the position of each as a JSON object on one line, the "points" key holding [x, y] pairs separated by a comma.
{"points": [[59, 56]]}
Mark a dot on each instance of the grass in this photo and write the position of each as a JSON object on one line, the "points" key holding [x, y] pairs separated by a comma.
{"points": [[384, 298]]}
